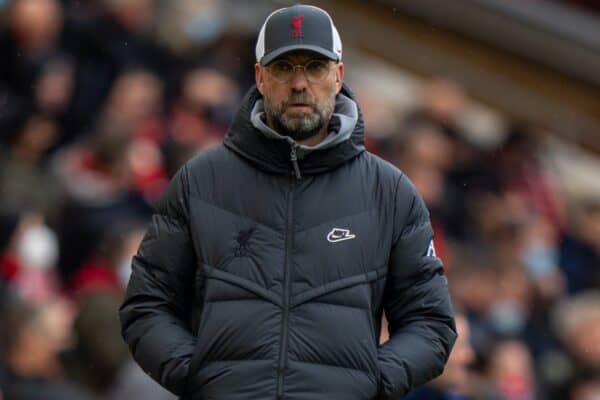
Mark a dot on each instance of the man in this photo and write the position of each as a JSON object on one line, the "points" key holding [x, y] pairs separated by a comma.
{"points": [[31, 346], [271, 258]]}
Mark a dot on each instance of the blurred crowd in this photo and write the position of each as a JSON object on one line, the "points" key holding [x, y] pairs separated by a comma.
{"points": [[101, 101]]}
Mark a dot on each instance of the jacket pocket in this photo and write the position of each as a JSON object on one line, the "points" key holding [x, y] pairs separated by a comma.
{"points": [[332, 325], [239, 287], [237, 322], [337, 285]]}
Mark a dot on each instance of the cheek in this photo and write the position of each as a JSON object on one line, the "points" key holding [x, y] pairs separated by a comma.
{"points": [[276, 96], [325, 94]]}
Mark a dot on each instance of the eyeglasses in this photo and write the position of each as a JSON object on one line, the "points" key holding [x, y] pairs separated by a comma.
{"points": [[283, 71]]}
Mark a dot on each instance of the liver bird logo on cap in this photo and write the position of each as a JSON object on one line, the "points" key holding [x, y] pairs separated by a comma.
{"points": [[297, 27]]}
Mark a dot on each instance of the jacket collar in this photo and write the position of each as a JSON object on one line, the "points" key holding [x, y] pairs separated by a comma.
{"points": [[249, 137]]}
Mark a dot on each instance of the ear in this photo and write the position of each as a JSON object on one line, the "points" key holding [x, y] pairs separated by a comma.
{"points": [[259, 72], [339, 76]]}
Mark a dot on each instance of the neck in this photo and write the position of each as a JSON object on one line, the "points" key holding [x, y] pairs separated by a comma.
{"points": [[316, 139]]}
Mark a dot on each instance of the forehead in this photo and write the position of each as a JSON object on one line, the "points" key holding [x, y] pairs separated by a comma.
{"points": [[301, 56]]}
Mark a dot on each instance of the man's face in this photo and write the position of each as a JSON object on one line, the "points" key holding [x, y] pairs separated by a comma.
{"points": [[299, 108]]}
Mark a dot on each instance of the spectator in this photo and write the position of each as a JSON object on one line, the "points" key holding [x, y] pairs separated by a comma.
{"points": [[577, 323], [28, 257], [32, 342], [32, 35], [511, 372], [580, 249], [98, 180], [25, 184], [114, 376], [201, 114], [109, 268]]}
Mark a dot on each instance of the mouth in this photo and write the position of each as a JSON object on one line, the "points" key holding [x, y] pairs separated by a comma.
{"points": [[300, 106]]}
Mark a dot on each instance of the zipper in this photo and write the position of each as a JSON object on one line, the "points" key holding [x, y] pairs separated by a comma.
{"points": [[286, 278], [294, 158]]}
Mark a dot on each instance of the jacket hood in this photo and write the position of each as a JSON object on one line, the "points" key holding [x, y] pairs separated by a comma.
{"points": [[249, 137]]}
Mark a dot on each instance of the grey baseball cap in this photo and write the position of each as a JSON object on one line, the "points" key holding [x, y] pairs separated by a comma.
{"points": [[299, 27]]}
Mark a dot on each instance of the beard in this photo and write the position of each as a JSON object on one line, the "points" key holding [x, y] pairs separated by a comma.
{"points": [[299, 125]]}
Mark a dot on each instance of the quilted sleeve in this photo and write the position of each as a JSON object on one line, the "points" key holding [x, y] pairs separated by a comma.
{"points": [[416, 301], [154, 313]]}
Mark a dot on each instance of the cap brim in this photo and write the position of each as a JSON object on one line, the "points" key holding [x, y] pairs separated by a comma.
{"points": [[267, 58]]}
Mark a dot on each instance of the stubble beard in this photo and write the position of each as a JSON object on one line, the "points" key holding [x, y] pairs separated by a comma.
{"points": [[299, 126]]}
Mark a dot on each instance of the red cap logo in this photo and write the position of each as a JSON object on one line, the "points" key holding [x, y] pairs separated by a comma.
{"points": [[297, 27]]}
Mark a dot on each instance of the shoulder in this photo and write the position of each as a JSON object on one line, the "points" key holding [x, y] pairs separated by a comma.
{"points": [[215, 155], [191, 177], [208, 165], [213, 171], [401, 193], [386, 173]]}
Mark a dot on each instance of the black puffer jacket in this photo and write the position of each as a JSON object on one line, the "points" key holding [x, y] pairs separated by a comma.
{"points": [[252, 283]]}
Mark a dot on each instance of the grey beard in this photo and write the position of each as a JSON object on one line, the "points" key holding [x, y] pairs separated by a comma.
{"points": [[299, 128]]}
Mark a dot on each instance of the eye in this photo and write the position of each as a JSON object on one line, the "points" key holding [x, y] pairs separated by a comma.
{"points": [[282, 66], [316, 67]]}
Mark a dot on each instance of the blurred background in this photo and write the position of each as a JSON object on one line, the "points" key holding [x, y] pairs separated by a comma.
{"points": [[491, 107]]}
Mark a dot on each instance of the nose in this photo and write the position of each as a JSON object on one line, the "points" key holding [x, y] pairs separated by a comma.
{"points": [[299, 81]]}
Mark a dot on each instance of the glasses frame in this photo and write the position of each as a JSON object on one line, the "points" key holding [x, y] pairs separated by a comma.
{"points": [[328, 63]]}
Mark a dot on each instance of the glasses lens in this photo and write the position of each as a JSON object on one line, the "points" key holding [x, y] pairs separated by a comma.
{"points": [[282, 70], [316, 70]]}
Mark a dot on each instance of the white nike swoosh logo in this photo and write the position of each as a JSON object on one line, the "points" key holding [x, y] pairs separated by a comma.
{"points": [[338, 235]]}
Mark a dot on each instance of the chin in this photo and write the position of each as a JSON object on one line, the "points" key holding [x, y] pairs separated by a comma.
{"points": [[298, 114], [297, 121]]}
